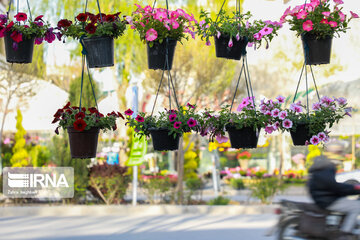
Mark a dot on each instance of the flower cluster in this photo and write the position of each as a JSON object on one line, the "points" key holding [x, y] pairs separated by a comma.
{"points": [[176, 121], [322, 116], [246, 116], [84, 119], [317, 18], [89, 25], [23, 28], [237, 26], [158, 24]]}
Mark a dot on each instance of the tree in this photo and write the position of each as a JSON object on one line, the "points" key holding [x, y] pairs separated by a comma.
{"points": [[20, 157], [87, 99]]}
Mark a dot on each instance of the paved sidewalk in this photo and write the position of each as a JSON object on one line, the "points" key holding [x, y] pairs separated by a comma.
{"points": [[137, 227]]}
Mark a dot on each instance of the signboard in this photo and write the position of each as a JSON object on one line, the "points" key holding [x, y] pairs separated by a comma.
{"points": [[138, 151]]}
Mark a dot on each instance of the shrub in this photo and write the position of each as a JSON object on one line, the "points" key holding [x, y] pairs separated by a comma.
{"points": [[220, 200], [237, 183], [157, 186], [194, 185], [109, 182], [265, 189]]}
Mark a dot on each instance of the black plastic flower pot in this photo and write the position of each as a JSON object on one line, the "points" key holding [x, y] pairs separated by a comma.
{"points": [[162, 141], [21, 52], [301, 134], [99, 51], [316, 51], [83, 144], [235, 52], [246, 137], [157, 54]]}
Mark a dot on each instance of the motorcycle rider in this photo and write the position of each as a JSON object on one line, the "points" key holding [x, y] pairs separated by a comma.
{"points": [[331, 195]]}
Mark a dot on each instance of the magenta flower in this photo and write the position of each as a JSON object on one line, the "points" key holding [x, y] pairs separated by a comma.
{"points": [[50, 36], [338, 2], [218, 34], [302, 14], [147, 9], [281, 99], [283, 115], [191, 122], [342, 16], [151, 35], [324, 21], [321, 136], [314, 140], [266, 31], [208, 43], [341, 101], [230, 44], [129, 112], [175, 24], [38, 41], [287, 123], [139, 118], [237, 37], [333, 24], [160, 16], [177, 125], [172, 117], [308, 25], [326, 14], [275, 112], [276, 125], [190, 106], [269, 129], [316, 106], [354, 15], [257, 36]]}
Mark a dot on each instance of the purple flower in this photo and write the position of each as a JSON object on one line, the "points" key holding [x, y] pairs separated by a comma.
{"points": [[287, 123], [341, 101], [15, 46], [221, 138], [172, 117], [269, 129], [314, 140], [275, 112], [283, 115], [321, 136], [49, 35], [191, 122], [316, 106], [281, 99], [38, 41], [177, 125]]}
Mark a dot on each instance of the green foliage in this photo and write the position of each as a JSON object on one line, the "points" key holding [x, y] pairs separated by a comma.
{"points": [[237, 183], [177, 122], [109, 182], [145, 19], [235, 26], [6, 154], [92, 26], [39, 155], [194, 185], [157, 186], [314, 13], [265, 189], [220, 200], [87, 99], [20, 156]]}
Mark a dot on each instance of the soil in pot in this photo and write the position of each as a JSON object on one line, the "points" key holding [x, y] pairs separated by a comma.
{"points": [[83, 144], [23, 53], [157, 54], [99, 51], [246, 137], [162, 141], [301, 134], [235, 52], [316, 51]]}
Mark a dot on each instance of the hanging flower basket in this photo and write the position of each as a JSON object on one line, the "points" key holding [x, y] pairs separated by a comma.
{"points": [[83, 144], [301, 134], [99, 51], [316, 51], [246, 137], [157, 54], [162, 141], [223, 50], [21, 52]]}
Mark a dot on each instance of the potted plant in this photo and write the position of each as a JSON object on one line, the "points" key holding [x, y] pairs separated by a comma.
{"points": [[232, 33], [306, 128], [242, 126], [165, 128], [83, 127], [96, 33], [161, 29], [21, 34], [317, 22]]}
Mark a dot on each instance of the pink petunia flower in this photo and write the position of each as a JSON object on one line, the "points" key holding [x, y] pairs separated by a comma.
{"points": [[257, 36], [338, 2], [354, 15], [275, 112], [208, 43], [315, 140], [237, 37], [316, 106], [218, 34], [191, 122], [139, 118], [341, 101], [333, 24], [221, 138], [172, 117], [342, 16], [281, 99], [283, 115], [324, 21], [129, 112], [266, 31], [269, 129], [287, 123], [151, 35], [326, 14], [302, 14], [177, 125], [321, 136], [308, 25], [230, 44]]}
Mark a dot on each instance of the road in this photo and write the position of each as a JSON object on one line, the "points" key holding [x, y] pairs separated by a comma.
{"points": [[138, 227]]}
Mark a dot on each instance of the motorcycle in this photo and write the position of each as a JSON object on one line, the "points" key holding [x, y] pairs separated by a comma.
{"points": [[300, 221]]}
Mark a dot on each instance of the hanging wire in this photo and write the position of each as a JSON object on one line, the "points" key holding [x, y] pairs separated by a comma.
{"points": [[17, 7], [297, 88], [237, 86], [317, 92], [250, 84], [82, 79], [86, 4], [222, 6], [28, 5], [307, 93], [98, 4], [8, 12], [157, 92]]}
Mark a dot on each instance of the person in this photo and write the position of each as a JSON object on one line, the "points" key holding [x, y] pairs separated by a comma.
{"points": [[328, 194]]}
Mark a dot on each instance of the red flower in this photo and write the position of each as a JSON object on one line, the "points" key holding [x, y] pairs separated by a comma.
{"points": [[67, 105], [92, 110], [58, 113], [190, 106], [139, 118], [110, 18], [80, 125], [80, 115], [103, 16], [9, 26], [16, 36], [55, 120], [83, 109], [57, 131], [38, 18], [129, 112], [120, 115], [90, 28], [64, 23], [82, 17], [114, 127], [69, 111], [100, 114], [75, 108], [20, 16]]}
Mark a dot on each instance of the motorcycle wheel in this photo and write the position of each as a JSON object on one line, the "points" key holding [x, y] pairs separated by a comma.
{"points": [[288, 229]]}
